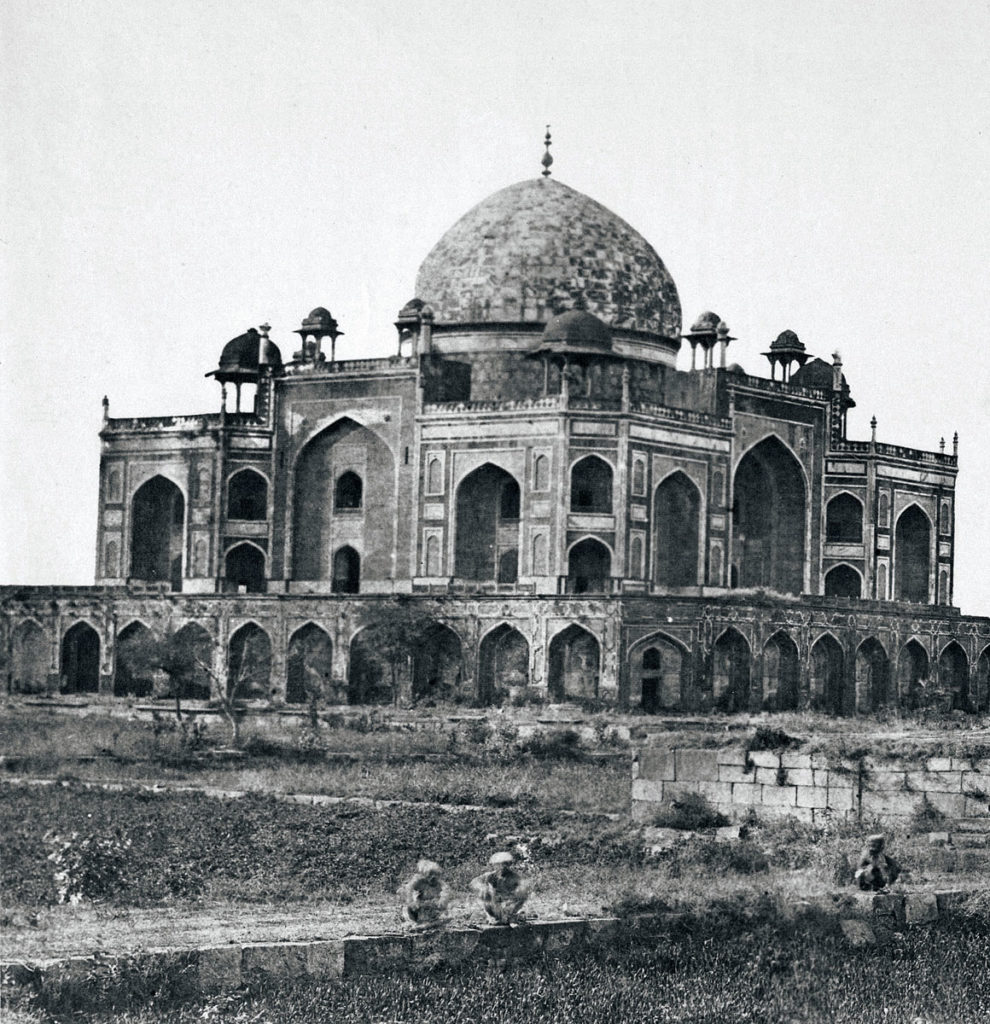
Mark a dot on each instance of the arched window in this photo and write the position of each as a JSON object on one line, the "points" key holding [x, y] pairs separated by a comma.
{"points": [[591, 486], [843, 581], [912, 547], [201, 564], [676, 525], [946, 519], [508, 566], [715, 571], [882, 581], [247, 496], [844, 520], [434, 477], [111, 559], [346, 571], [157, 515], [113, 485], [245, 569], [348, 492], [943, 587], [768, 519], [883, 510], [589, 567], [718, 488], [541, 473]]}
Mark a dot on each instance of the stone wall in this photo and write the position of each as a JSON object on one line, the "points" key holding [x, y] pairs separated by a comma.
{"points": [[812, 787]]}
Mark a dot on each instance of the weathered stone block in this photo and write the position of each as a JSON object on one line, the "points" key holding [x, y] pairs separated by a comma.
{"points": [[812, 796], [764, 759], [365, 954], [857, 933], [746, 793], [648, 790], [976, 807], [731, 756], [717, 792], [696, 765], [889, 803], [779, 796], [219, 968], [840, 798], [601, 931], [952, 805], [885, 780], [734, 773], [939, 838], [325, 959], [935, 782], [842, 780], [263, 963], [795, 761], [559, 935], [800, 777], [456, 945], [766, 776], [975, 783], [961, 764], [920, 908], [656, 763], [643, 810], [939, 764], [821, 776]]}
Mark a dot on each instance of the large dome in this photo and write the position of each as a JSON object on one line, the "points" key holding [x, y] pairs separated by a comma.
{"points": [[538, 248]]}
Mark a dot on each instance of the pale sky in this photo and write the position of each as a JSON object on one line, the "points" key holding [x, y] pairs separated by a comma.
{"points": [[177, 172]]}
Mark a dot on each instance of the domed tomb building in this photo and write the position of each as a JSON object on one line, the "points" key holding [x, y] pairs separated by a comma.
{"points": [[528, 483]]}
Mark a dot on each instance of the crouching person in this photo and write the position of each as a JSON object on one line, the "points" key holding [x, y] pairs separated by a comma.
{"points": [[502, 889], [876, 870], [425, 898]]}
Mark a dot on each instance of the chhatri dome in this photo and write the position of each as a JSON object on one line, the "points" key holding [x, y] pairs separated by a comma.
{"points": [[538, 248]]}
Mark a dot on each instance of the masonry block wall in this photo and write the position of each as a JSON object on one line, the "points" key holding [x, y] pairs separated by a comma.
{"points": [[812, 787]]}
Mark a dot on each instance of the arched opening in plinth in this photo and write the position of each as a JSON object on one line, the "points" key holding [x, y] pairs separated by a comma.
{"points": [[503, 664], [912, 675], [138, 658], [780, 674], [828, 677], [953, 676], [732, 666], [80, 663], [31, 655], [872, 676], [249, 663], [309, 665], [575, 660], [656, 676]]}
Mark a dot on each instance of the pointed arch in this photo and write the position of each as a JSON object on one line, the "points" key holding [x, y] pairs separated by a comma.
{"points": [[828, 691], [244, 569], [768, 518], [676, 531], [953, 676], [589, 567], [192, 651], [30, 658], [309, 665], [844, 519], [157, 532], [591, 485], [503, 663], [247, 496], [912, 674], [912, 553], [348, 492], [346, 571], [982, 693], [872, 676], [343, 446], [438, 664], [843, 581], [137, 658], [574, 664], [487, 522], [80, 659], [249, 662], [658, 673], [732, 666], [541, 473], [781, 674]]}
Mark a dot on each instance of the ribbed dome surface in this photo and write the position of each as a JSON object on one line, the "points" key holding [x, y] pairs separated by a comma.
{"points": [[538, 248]]}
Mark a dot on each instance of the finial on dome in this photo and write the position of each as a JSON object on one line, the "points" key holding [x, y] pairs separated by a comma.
{"points": [[547, 158]]}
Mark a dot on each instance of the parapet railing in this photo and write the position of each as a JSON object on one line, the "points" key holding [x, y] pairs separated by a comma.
{"points": [[666, 412], [496, 405], [781, 387], [894, 451], [202, 421]]}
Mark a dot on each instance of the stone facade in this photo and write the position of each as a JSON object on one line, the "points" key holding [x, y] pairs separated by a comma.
{"points": [[573, 516]]}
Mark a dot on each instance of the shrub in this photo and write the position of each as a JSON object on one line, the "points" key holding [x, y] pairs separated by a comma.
{"points": [[768, 738], [87, 867], [691, 813], [556, 746]]}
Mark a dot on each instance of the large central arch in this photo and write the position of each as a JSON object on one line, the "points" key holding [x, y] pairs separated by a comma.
{"points": [[912, 545], [768, 519], [158, 512], [487, 529], [676, 529], [343, 451]]}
